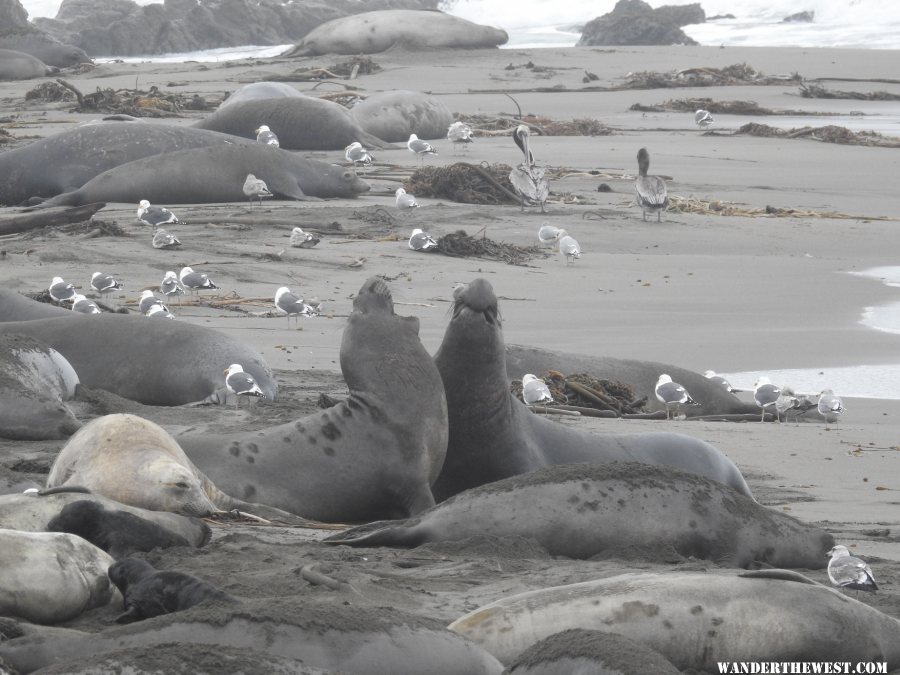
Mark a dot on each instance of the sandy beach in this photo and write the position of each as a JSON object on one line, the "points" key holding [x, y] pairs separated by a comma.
{"points": [[701, 291]]}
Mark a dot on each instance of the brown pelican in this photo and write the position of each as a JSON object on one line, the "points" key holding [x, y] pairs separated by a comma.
{"points": [[650, 190], [526, 178]]}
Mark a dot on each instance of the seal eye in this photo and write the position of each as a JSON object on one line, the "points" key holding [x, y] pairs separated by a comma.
{"points": [[349, 175], [182, 485]]}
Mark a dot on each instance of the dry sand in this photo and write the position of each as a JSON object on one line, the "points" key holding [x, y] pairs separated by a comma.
{"points": [[699, 291]]}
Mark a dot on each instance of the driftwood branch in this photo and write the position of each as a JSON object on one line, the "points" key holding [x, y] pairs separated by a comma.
{"points": [[31, 220]]}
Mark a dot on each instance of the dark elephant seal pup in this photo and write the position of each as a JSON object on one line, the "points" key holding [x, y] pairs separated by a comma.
{"points": [[696, 619], [15, 65], [493, 436], [394, 115], [35, 382], [373, 455], [373, 32], [613, 510], [49, 577], [148, 592]]}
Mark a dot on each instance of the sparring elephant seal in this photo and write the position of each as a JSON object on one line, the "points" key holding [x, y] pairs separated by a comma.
{"points": [[696, 619], [300, 122], [67, 160], [373, 32], [215, 174], [613, 510], [153, 362], [15, 65], [393, 115], [373, 455], [48, 577], [494, 436], [35, 382]]}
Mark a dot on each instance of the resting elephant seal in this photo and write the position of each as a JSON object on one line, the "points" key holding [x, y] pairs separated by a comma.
{"points": [[67, 160], [335, 637], [216, 174], [373, 32], [300, 122], [613, 510], [17, 307], [48, 577], [35, 382], [393, 115], [153, 362], [257, 90], [15, 65], [373, 455], [493, 436], [46, 49], [696, 619]]}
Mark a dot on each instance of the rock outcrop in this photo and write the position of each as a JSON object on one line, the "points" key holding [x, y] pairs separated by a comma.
{"points": [[634, 22]]}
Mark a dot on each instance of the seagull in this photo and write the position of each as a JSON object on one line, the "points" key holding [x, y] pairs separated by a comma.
{"points": [[671, 394], [164, 239], [83, 305], [528, 179], [155, 215], [61, 291], [195, 281], [148, 300], [301, 239], [568, 247], [786, 402], [356, 153], [421, 241], [160, 312], [256, 188], [267, 136], [830, 406], [104, 283], [847, 571], [290, 305], [765, 394], [535, 390], [547, 235], [170, 285], [715, 378], [650, 190], [420, 147], [703, 118], [459, 134], [240, 383], [405, 201]]}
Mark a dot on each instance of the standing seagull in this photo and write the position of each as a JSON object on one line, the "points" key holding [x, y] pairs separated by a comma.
{"points": [[104, 283], [703, 119], [301, 239], [419, 147], [528, 179], [847, 571], [568, 247], [195, 281], [405, 201], [83, 305], [672, 395], [535, 390], [170, 285], [61, 291], [290, 305], [830, 406], [155, 215], [356, 153], [765, 394], [255, 188], [459, 134], [547, 235], [267, 136], [240, 383], [164, 239], [421, 241], [650, 190]]}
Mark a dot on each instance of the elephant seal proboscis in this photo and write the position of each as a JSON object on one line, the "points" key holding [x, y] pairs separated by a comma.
{"points": [[300, 122], [335, 637], [613, 510], [259, 90], [215, 174], [373, 455], [393, 115], [696, 619], [16, 65], [49, 577], [153, 362], [373, 32], [35, 382], [494, 436], [589, 652], [149, 592]]}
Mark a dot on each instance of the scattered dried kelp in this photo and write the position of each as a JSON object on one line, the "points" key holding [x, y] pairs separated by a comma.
{"points": [[816, 91], [585, 390], [134, 102], [716, 107], [488, 125], [50, 91], [736, 74], [345, 70], [464, 183], [826, 134], [460, 245], [721, 208]]}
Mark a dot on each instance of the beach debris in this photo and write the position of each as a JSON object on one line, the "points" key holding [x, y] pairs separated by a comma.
{"points": [[719, 207], [808, 90], [496, 125], [704, 108], [586, 391], [460, 245], [50, 91], [133, 102], [827, 134], [735, 74], [301, 239], [349, 70], [464, 183]]}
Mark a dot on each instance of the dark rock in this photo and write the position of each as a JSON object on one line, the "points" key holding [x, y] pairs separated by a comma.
{"points": [[634, 22], [123, 28], [13, 17], [717, 17], [19, 35], [800, 17]]}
